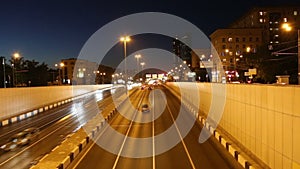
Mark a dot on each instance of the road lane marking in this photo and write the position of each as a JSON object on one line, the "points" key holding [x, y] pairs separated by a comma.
{"points": [[153, 134], [183, 143], [127, 133]]}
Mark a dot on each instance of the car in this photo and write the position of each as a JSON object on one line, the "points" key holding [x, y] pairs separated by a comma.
{"points": [[20, 139], [145, 108], [143, 87]]}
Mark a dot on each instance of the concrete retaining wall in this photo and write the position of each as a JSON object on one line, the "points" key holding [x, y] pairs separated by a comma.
{"points": [[263, 118], [15, 101]]}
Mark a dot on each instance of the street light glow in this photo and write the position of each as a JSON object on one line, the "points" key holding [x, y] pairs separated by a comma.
{"points": [[137, 56], [125, 39], [286, 27], [16, 55]]}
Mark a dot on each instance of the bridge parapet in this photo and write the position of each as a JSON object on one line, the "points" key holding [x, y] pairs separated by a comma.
{"points": [[263, 118]]}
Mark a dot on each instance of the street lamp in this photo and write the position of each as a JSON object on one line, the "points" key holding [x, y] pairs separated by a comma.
{"points": [[125, 39], [288, 28], [137, 63], [59, 68], [102, 75], [143, 64], [4, 78], [15, 56]]}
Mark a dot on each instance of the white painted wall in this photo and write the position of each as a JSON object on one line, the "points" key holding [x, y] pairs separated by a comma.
{"points": [[14, 101], [264, 118]]}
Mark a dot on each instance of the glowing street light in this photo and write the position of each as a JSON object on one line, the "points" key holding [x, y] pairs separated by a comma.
{"points": [[15, 56], [138, 56], [286, 27], [61, 65], [143, 64], [4, 78], [125, 39]]}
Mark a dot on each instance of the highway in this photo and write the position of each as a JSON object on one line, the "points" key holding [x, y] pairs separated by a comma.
{"points": [[188, 153], [55, 125]]}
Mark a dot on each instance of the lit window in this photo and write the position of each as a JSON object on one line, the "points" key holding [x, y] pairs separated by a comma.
{"points": [[224, 60], [248, 49], [271, 29], [230, 53], [284, 19], [229, 39], [295, 13], [261, 13], [276, 41], [261, 20], [276, 35]]}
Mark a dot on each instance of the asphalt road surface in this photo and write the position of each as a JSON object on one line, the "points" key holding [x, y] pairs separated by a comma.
{"points": [[128, 153]]}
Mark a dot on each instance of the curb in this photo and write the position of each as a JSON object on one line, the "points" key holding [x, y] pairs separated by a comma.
{"points": [[83, 143], [70, 158], [225, 143], [238, 156]]}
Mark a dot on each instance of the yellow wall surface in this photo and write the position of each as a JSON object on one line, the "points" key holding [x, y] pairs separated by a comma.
{"points": [[264, 118], [19, 100]]}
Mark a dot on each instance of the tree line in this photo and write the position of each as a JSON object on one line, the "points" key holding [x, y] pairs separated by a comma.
{"points": [[22, 73]]}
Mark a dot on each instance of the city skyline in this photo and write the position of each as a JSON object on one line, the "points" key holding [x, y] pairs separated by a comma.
{"points": [[51, 31]]}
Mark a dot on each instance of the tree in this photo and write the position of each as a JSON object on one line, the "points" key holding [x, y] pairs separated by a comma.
{"points": [[37, 74], [269, 66]]}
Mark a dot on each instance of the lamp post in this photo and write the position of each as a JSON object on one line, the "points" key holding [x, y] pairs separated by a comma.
{"points": [[59, 68], [4, 78], [102, 75], [287, 27], [143, 64], [125, 39], [14, 57], [298, 33], [137, 63]]}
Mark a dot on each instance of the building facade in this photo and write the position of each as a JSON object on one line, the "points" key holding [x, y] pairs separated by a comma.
{"points": [[272, 20], [231, 44], [78, 71]]}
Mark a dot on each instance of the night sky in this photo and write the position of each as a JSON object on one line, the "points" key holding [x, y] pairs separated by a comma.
{"points": [[48, 31]]}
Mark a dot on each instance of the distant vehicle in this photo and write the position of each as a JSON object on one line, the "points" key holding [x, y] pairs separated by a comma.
{"points": [[20, 139], [143, 87], [145, 108]]}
